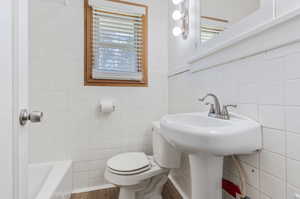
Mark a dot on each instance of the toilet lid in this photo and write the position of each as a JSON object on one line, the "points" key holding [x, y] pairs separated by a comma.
{"points": [[129, 163]]}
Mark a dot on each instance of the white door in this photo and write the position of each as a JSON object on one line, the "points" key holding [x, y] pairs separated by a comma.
{"points": [[6, 136], [20, 80], [13, 86]]}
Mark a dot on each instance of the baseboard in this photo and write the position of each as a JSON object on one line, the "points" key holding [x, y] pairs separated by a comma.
{"points": [[111, 192]]}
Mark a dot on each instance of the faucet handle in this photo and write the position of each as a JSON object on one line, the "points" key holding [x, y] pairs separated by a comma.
{"points": [[231, 105], [225, 112], [201, 99]]}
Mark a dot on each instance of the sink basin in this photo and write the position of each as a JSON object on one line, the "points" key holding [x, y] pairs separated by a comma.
{"points": [[207, 140], [196, 132]]}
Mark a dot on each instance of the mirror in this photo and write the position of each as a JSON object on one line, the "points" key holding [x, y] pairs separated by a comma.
{"points": [[219, 15]]}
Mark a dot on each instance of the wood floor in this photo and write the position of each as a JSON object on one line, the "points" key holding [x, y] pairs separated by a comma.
{"points": [[169, 192], [111, 193]]}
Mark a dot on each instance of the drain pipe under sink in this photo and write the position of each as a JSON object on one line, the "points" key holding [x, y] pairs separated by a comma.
{"points": [[242, 175]]}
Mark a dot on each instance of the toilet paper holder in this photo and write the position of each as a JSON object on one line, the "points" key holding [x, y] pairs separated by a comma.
{"points": [[107, 106]]}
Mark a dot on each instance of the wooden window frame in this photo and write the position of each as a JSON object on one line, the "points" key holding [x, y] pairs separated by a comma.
{"points": [[88, 79]]}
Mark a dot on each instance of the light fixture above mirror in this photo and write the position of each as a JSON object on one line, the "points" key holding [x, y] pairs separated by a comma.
{"points": [[176, 2], [177, 15], [181, 18]]}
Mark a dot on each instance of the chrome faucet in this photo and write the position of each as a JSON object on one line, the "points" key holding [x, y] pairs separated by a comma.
{"points": [[215, 108]]}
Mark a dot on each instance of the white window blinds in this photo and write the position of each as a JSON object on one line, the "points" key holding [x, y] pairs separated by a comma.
{"points": [[211, 27], [208, 33], [117, 45]]}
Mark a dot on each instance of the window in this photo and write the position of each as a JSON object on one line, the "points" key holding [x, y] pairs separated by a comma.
{"points": [[115, 43]]}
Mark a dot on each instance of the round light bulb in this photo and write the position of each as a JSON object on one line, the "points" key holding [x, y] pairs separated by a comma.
{"points": [[177, 15], [176, 2], [177, 31]]}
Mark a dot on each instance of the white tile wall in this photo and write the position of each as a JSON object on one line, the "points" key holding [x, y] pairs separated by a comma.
{"points": [[293, 172], [272, 116], [266, 88], [273, 164], [293, 146], [252, 175], [252, 192], [272, 186], [292, 192], [263, 196], [284, 7], [292, 124], [274, 140], [292, 68], [72, 127]]}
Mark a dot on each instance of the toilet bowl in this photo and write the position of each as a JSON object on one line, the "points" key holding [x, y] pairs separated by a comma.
{"points": [[140, 176]]}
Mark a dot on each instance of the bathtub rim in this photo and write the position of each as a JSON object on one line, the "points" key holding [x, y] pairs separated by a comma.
{"points": [[55, 177]]}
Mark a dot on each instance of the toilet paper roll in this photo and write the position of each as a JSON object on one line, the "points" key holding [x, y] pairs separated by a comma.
{"points": [[107, 106]]}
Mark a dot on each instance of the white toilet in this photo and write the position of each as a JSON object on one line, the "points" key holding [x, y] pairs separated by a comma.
{"points": [[140, 176]]}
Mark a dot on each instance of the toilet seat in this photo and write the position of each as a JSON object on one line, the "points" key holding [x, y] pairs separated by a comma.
{"points": [[134, 177], [129, 163]]}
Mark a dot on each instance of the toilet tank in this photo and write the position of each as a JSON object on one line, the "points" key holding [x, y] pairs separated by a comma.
{"points": [[164, 153]]}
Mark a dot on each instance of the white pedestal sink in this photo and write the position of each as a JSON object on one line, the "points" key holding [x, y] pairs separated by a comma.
{"points": [[207, 140]]}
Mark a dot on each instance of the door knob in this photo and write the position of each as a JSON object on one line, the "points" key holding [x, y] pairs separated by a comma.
{"points": [[34, 117]]}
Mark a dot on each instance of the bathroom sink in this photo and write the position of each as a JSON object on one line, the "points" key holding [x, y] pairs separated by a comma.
{"points": [[207, 140], [196, 132]]}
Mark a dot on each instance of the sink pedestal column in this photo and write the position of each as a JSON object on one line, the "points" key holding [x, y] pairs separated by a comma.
{"points": [[206, 174]]}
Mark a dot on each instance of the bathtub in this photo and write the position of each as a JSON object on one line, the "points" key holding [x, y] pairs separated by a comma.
{"points": [[50, 180]]}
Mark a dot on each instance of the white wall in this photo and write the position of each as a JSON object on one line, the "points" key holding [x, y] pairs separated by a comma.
{"points": [[284, 7], [265, 87], [73, 128], [6, 132], [231, 10]]}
